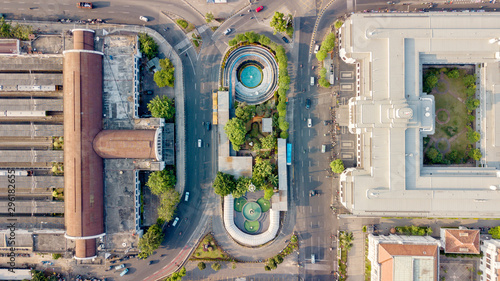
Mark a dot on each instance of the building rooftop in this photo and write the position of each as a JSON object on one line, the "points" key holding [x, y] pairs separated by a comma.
{"points": [[390, 114], [460, 241]]}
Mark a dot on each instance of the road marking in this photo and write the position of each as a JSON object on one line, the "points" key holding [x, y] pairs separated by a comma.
{"points": [[309, 163], [310, 179], [302, 179], [195, 86]]}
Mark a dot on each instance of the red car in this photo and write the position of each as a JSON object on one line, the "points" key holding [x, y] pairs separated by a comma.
{"points": [[259, 9]]}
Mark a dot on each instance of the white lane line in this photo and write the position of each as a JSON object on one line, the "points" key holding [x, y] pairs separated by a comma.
{"points": [[195, 86], [310, 209], [310, 179], [309, 163]]}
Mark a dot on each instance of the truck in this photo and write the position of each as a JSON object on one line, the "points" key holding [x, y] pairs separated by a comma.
{"points": [[84, 5]]}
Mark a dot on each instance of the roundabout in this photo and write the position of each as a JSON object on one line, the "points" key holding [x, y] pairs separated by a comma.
{"points": [[251, 74]]}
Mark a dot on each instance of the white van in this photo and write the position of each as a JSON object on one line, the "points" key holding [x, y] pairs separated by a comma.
{"points": [[143, 18], [313, 258], [312, 81]]}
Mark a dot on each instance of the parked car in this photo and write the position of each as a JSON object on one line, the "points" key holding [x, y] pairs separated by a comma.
{"points": [[175, 221], [200, 143], [143, 18], [124, 272], [149, 92], [227, 31], [285, 39], [186, 197], [208, 126], [118, 267], [308, 103], [316, 49], [84, 5], [259, 9], [309, 123], [313, 258]]}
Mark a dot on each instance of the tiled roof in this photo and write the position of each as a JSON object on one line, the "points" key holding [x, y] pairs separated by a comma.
{"points": [[461, 241], [388, 252]]}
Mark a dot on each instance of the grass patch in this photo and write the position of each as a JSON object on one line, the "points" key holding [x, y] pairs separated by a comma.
{"points": [[442, 145], [368, 264], [214, 28], [209, 250], [184, 24], [265, 205], [442, 116], [441, 86], [190, 27], [252, 226], [196, 40], [239, 203]]}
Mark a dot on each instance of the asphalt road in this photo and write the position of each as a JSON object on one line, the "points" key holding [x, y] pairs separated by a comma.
{"points": [[315, 221]]}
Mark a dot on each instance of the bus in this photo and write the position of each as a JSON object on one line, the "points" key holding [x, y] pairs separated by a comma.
{"points": [[289, 154]]}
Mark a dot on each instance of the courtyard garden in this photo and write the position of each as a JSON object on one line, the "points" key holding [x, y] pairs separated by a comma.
{"points": [[251, 216], [455, 137]]}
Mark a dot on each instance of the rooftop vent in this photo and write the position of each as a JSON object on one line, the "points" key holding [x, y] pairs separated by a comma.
{"points": [[464, 234], [464, 249]]}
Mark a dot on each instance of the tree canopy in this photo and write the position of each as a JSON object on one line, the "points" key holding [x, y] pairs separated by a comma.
{"points": [[150, 241], [165, 76], [268, 142], [280, 22], [321, 55], [475, 154], [163, 107], [160, 181], [224, 184], [337, 166], [236, 132], [177, 276], [495, 232], [168, 203], [472, 135], [147, 45], [268, 193], [242, 185]]}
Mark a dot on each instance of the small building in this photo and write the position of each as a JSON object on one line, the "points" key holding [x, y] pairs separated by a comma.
{"points": [[267, 125], [490, 261], [403, 258], [460, 241]]}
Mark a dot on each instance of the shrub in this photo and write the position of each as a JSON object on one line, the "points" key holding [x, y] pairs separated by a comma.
{"points": [[209, 17], [338, 24], [202, 265], [453, 74], [472, 103], [472, 136], [184, 24], [434, 155], [337, 166], [268, 193], [431, 81], [216, 266], [475, 154], [56, 256]]}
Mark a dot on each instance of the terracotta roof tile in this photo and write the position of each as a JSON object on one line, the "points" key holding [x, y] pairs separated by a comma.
{"points": [[462, 241], [386, 253]]}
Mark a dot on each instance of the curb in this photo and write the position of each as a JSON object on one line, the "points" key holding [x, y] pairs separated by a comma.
{"points": [[318, 19]]}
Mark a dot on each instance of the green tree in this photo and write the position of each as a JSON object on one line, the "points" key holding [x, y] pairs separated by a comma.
{"points": [[168, 203], [470, 91], [323, 82], [273, 179], [475, 154], [329, 43], [434, 155], [338, 24], [495, 232], [252, 36], [177, 276], [268, 193], [5, 29], [321, 55], [224, 184], [262, 168], [469, 80], [232, 42], [160, 181], [202, 265], [162, 107], [453, 157], [150, 241], [472, 103], [244, 112], [337, 166], [279, 22], [431, 81], [209, 17], [345, 240], [242, 184], [268, 142], [264, 40], [453, 74], [165, 76], [236, 131], [147, 45], [216, 266], [241, 37], [472, 135], [322, 72]]}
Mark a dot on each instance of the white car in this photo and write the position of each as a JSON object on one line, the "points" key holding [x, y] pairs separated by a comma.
{"points": [[175, 221], [316, 49], [227, 31], [143, 18], [199, 143], [186, 197], [309, 123]]}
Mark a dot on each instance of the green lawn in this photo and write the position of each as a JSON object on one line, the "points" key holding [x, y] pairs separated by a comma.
{"points": [[452, 101], [239, 203], [208, 249], [252, 226], [265, 205]]}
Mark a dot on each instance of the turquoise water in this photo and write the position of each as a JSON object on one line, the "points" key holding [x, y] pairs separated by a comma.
{"points": [[251, 76], [251, 211]]}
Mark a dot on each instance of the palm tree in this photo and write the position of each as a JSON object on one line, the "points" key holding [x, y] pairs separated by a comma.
{"points": [[273, 179]]}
